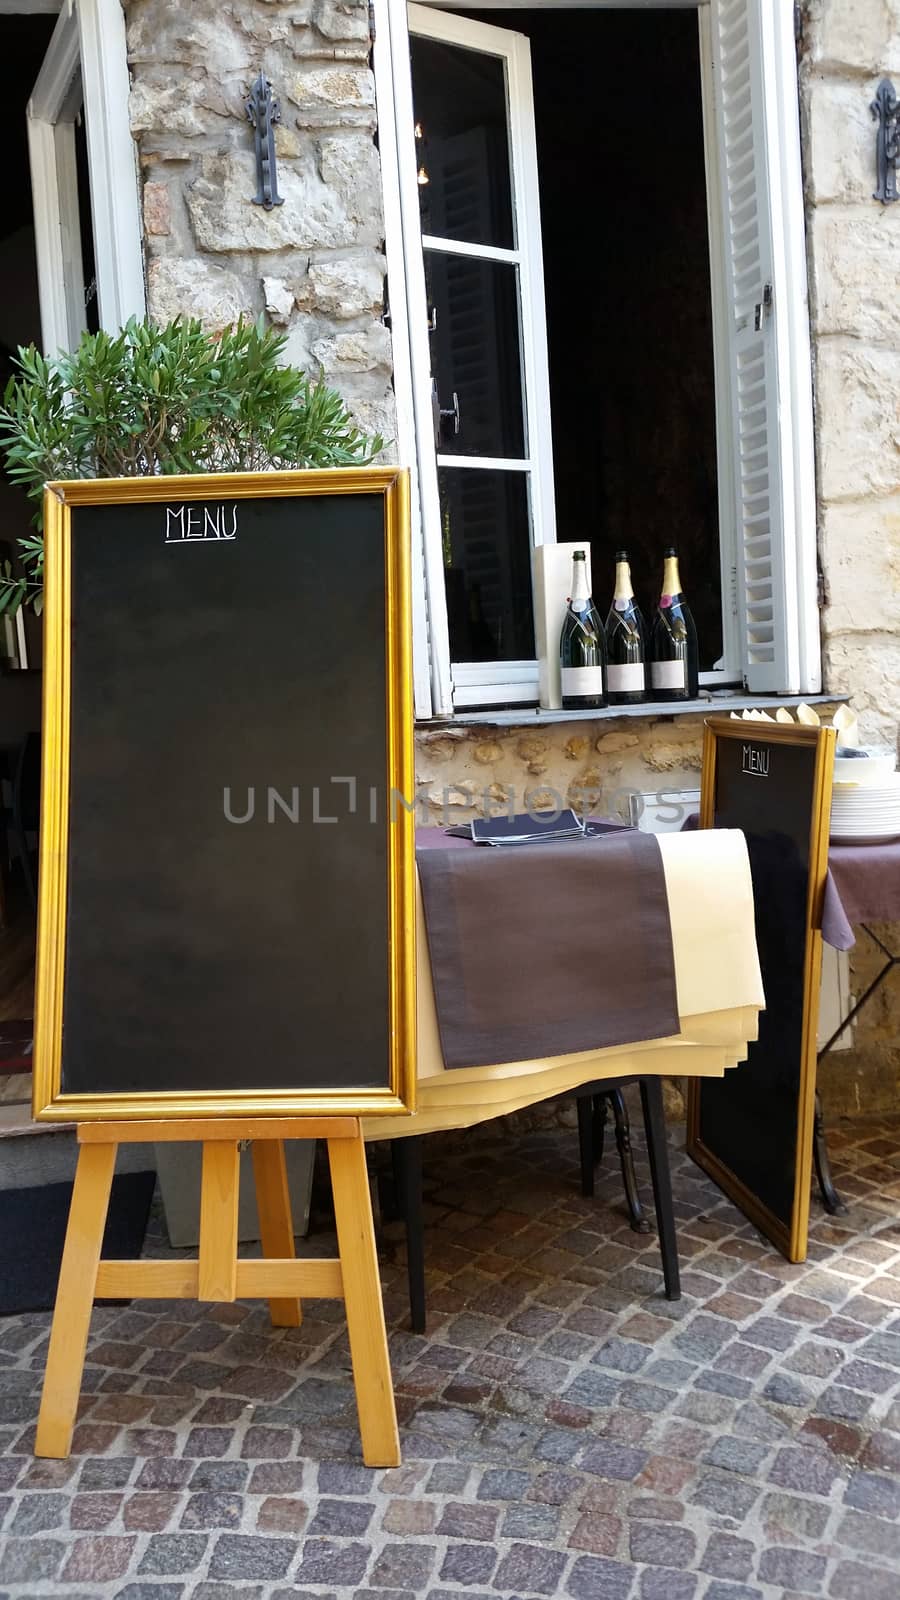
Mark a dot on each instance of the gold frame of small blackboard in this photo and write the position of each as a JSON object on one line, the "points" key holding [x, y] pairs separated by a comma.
{"points": [[790, 1241], [49, 1102]]}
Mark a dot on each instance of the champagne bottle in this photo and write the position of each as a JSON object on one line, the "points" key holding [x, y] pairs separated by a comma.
{"points": [[626, 642], [673, 642], [582, 652]]}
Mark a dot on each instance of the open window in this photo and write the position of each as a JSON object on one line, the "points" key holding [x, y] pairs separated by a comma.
{"points": [[84, 177], [597, 280]]}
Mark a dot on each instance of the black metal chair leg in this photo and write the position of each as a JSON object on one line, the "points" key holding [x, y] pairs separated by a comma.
{"points": [[831, 1200], [636, 1216], [406, 1159], [658, 1152], [586, 1157], [598, 1129]]}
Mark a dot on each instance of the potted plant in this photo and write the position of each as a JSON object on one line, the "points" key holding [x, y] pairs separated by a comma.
{"points": [[152, 400]]}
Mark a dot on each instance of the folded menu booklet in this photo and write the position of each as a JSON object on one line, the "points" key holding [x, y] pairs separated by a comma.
{"points": [[526, 829]]}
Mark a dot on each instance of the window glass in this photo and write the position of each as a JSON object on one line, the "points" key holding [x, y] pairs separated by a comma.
{"points": [[462, 144], [476, 355], [486, 531]]}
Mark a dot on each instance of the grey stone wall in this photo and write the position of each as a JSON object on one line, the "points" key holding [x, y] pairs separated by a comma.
{"points": [[854, 249], [854, 246], [315, 264]]}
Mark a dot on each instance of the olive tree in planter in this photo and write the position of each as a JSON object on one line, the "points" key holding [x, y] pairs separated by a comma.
{"points": [[153, 400]]}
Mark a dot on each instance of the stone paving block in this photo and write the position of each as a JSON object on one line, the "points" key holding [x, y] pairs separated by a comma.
{"points": [[462, 1521], [661, 1545], [610, 1460], [530, 1522], [592, 1578], [531, 1568], [323, 1561], [173, 1553], [277, 1477], [728, 1495], [596, 1532], [871, 1491], [852, 1580], [31, 1560], [468, 1563], [238, 1555], [97, 1558], [342, 1517], [726, 1556], [662, 1583], [403, 1566], [36, 1513], [809, 1470]]}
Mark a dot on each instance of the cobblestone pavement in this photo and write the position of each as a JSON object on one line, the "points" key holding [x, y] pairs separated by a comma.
{"points": [[565, 1430]]}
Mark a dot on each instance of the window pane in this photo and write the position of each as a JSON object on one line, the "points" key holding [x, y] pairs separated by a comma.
{"points": [[476, 355], [462, 143], [486, 528]]}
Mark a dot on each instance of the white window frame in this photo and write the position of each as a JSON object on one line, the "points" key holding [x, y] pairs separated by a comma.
{"points": [[87, 42], [513, 681]]}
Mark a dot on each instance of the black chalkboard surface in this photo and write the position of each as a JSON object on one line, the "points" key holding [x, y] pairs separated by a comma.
{"points": [[753, 1129], [226, 913]]}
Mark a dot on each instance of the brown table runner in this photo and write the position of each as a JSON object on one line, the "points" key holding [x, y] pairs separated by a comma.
{"points": [[548, 949]]}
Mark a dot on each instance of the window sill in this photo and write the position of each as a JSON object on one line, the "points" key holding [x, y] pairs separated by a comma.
{"points": [[721, 701]]}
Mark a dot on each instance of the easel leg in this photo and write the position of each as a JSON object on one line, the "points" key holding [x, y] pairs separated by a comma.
{"points": [[362, 1295], [74, 1299], [276, 1229], [217, 1271]]}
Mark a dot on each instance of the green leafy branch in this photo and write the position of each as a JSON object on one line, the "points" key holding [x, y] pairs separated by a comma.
{"points": [[149, 401]]}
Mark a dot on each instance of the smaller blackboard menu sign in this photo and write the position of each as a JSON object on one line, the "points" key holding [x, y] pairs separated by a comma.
{"points": [[227, 866], [753, 1129]]}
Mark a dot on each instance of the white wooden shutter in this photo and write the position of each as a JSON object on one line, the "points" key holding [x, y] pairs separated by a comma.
{"points": [[761, 203]]}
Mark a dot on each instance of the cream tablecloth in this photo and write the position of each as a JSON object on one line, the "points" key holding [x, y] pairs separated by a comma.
{"points": [[720, 996]]}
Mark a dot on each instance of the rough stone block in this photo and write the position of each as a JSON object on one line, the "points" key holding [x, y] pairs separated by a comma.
{"points": [[327, 205], [854, 272], [190, 287], [858, 420], [855, 33], [840, 154], [861, 553], [348, 286]]}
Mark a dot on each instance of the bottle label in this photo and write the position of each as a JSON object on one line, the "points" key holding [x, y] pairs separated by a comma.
{"points": [[581, 680], [625, 679], [669, 674]]}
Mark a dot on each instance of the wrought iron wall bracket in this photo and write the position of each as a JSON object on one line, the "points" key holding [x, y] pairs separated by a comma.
{"points": [[263, 112], [885, 109]]}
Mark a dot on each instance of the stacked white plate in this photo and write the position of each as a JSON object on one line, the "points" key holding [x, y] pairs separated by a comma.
{"points": [[866, 813]]}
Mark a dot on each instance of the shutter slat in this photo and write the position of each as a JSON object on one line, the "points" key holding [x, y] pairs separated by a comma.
{"points": [[763, 577]]}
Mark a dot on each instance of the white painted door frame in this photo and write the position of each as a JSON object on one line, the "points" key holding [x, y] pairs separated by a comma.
{"points": [[86, 60]]}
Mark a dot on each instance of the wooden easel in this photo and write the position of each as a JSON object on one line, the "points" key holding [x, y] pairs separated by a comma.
{"points": [[216, 1273]]}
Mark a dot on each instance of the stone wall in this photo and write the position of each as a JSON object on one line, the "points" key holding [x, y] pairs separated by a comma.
{"points": [[315, 264], [854, 246]]}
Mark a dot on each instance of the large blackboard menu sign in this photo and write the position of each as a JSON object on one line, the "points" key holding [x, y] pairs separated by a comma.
{"points": [[226, 917], [753, 1129]]}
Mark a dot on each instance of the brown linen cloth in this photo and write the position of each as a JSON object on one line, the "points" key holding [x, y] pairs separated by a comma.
{"points": [[548, 949]]}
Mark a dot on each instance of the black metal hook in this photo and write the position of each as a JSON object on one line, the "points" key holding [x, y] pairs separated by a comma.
{"points": [[885, 108], [263, 112]]}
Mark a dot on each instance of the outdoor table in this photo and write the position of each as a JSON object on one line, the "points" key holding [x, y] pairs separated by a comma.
{"points": [[719, 990]]}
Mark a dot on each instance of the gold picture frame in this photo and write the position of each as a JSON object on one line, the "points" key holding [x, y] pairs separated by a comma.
{"points": [[50, 1101], [790, 1238]]}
